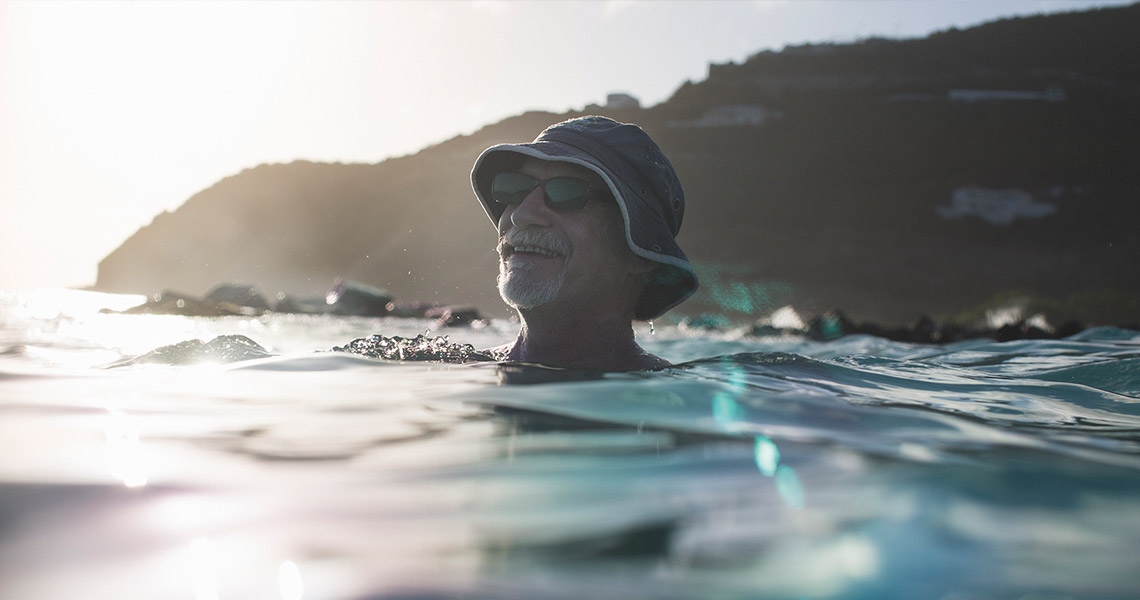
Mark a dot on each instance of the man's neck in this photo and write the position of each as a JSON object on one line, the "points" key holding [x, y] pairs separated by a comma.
{"points": [[582, 341]]}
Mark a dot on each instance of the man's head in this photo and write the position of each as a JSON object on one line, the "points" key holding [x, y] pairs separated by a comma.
{"points": [[587, 212]]}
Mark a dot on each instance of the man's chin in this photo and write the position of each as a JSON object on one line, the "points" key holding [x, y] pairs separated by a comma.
{"points": [[526, 295], [519, 301]]}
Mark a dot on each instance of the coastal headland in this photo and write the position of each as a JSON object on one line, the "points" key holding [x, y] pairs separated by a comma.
{"points": [[889, 178]]}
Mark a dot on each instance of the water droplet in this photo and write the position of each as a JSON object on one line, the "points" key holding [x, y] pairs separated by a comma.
{"points": [[651, 332]]}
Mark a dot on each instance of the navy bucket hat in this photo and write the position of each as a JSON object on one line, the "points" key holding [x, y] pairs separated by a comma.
{"points": [[641, 180]]}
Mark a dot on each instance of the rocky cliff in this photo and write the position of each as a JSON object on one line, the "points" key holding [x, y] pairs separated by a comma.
{"points": [[888, 177]]}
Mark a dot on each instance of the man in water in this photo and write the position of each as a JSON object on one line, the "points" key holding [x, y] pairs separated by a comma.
{"points": [[588, 215]]}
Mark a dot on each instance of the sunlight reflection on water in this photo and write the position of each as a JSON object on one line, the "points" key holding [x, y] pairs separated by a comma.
{"points": [[203, 569], [289, 581], [776, 468], [124, 454]]}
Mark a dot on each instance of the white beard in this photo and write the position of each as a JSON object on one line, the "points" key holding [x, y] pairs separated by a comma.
{"points": [[520, 289]]}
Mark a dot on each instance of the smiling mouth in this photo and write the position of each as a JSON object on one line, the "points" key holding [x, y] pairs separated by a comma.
{"points": [[531, 250]]}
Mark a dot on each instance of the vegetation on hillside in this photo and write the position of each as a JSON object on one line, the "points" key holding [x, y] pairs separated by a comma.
{"points": [[825, 193]]}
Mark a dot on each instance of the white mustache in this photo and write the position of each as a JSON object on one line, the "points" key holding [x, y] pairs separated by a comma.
{"points": [[525, 237]]}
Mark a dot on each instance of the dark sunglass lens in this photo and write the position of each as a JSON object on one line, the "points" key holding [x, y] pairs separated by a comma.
{"points": [[511, 188], [567, 192]]}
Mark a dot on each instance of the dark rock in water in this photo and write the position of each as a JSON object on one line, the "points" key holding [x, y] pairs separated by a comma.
{"points": [[411, 310], [890, 333], [1072, 328], [308, 305], [834, 324], [704, 323], [830, 326], [949, 333], [763, 330], [176, 303], [222, 349], [241, 294], [349, 298], [1021, 330], [455, 316], [924, 330]]}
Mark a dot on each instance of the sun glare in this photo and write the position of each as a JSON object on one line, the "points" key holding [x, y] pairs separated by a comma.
{"points": [[113, 112], [126, 458], [289, 581]]}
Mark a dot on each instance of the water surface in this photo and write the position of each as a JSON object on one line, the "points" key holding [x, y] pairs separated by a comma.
{"points": [[757, 468]]}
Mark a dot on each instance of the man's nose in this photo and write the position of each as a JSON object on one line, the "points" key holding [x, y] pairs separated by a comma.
{"points": [[532, 211]]}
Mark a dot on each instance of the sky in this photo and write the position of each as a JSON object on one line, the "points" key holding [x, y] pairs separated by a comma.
{"points": [[113, 112]]}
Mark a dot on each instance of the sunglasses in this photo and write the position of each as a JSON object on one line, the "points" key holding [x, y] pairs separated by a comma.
{"points": [[561, 193]]}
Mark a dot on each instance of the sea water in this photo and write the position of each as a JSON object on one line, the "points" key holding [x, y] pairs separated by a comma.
{"points": [[772, 467]]}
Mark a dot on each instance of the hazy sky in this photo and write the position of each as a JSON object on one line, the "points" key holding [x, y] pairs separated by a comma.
{"points": [[111, 113]]}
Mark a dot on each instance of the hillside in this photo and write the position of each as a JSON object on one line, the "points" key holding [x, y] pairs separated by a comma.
{"points": [[858, 176]]}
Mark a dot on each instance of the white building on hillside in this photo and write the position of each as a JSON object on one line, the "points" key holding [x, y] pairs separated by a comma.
{"points": [[732, 115], [996, 207], [1053, 93], [619, 101]]}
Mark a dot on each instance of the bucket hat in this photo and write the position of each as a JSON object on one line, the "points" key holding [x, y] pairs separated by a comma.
{"points": [[641, 180]]}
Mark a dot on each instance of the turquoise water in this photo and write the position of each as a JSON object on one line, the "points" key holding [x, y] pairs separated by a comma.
{"points": [[758, 468]]}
